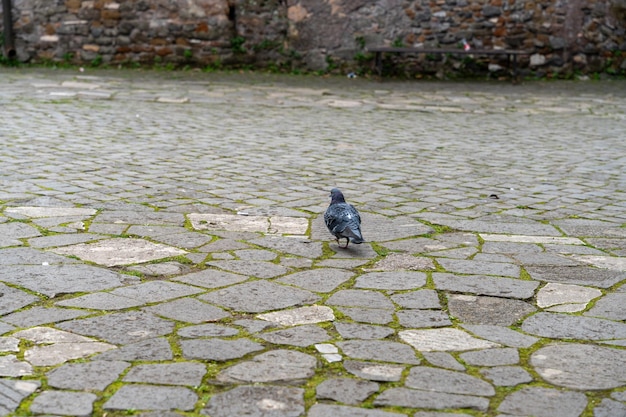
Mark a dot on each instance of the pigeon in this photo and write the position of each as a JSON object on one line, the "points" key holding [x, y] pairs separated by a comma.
{"points": [[342, 219]]}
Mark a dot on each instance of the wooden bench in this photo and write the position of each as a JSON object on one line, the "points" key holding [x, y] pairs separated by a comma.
{"points": [[510, 53]]}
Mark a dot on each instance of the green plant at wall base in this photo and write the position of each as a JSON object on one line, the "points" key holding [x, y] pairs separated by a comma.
{"points": [[360, 42], [236, 44], [188, 54], [97, 61], [398, 43]]}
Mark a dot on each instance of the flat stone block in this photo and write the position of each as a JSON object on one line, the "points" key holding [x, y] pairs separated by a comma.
{"points": [[482, 285], [444, 340], [562, 326], [579, 275], [478, 267], [181, 373], [12, 367], [507, 376], [257, 401], [51, 279], [502, 335], [207, 330], [301, 315], [12, 392], [607, 262], [274, 366], [324, 410], [113, 252], [189, 310], [403, 261], [471, 309], [580, 366], [121, 328], [140, 216], [149, 397], [611, 306], [157, 349], [391, 280], [554, 294], [41, 315], [259, 296], [374, 371], [101, 301], [257, 269], [156, 291], [218, 349], [263, 224], [368, 315], [211, 278], [58, 353], [491, 357], [64, 403], [346, 390], [544, 402], [301, 336], [14, 231], [13, 299], [442, 380], [443, 360], [423, 318], [421, 299], [293, 245], [404, 397], [362, 331], [96, 375], [360, 298], [532, 239], [318, 280], [379, 350]]}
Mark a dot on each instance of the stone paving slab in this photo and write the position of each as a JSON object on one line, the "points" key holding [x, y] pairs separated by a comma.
{"points": [[163, 250]]}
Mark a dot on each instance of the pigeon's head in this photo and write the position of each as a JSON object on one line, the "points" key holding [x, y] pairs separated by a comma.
{"points": [[336, 196]]}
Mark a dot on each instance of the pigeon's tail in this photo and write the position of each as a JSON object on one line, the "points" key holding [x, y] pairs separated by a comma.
{"points": [[354, 236]]}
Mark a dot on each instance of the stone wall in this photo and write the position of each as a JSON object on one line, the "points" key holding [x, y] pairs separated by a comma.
{"points": [[565, 36]]}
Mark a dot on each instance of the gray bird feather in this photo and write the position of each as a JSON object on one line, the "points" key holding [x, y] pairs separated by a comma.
{"points": [[342, 219]]}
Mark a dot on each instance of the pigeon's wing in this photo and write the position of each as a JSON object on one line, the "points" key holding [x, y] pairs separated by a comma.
{"points": [[335, 219], [356, 214]]}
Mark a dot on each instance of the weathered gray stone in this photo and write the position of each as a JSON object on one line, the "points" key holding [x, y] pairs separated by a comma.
{"points": [[150, 397], [442, 380], [161, 269], [257, 401], [491, 357], [560, 326], [254, 326], [31, 211], [531, 239], [443, 360], [188, 310], [14, 230], [218, 349], [472, 309], [140, 217], [12, 367], [207, 330], [324, 410], [65, 403], [507, 376], [423, 318], [611, 306], [57, 353], [13, 391], [553, 294], [403, 261], [113, 252], [185, 240], [62, 240], [318, 280], [121, 328], [294, 246], [30, 256], [211, 278], [51, 279], [404, 397], [421, 299], [362, 331], [438, 414], [481, 285], [401, 280], [255, 255], [301, 336], [443, 340], [379, 350], [180, 373], [580, 275], [41, 315], [155, 291], [502, 335], [257, 269], [259, 296], [543, 402], [374, 371], [301, 315], [530, 229], [157, 349], [94, 376], [581, 367], [346, 390], [477, 267], [609, 408], [100, 301], [274, 366], [9, 344], [368, 315], [360, 298], [13, 299]]}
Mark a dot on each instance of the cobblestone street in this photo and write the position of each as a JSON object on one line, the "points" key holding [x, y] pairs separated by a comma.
{"points": [[163, 250]]}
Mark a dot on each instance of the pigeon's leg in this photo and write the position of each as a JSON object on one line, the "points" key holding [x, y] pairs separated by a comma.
{"points": [[347, 243]]}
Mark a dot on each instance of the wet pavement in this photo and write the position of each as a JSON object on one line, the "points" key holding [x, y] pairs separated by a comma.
{"points": [[163, 253]]}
